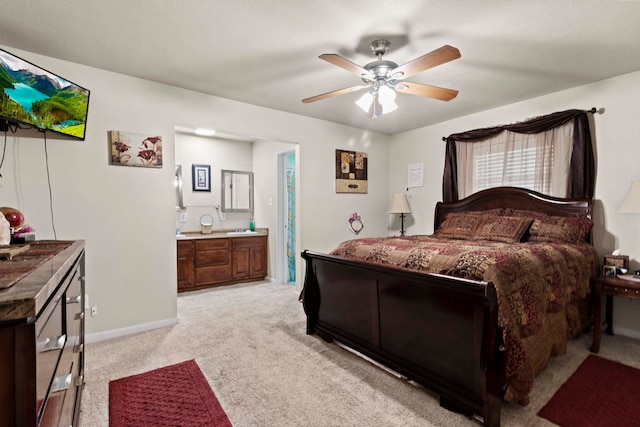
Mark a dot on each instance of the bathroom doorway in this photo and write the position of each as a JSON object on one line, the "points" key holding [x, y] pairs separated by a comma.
{"points": [[286, 248]]}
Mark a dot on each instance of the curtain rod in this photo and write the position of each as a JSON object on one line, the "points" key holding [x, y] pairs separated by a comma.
{"points": [[593, 110]]}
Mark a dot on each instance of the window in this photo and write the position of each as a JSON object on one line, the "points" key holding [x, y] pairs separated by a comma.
{"points": [[552, 154], [539, 162]]}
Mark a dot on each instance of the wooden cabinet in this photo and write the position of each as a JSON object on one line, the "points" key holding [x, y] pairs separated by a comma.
{"points": [[215, 261], [186, 272], [42, 351], [249, 257]]}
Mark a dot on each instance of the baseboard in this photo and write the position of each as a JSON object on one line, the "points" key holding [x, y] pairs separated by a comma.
{"points": [[626, 332], [114, 333]]}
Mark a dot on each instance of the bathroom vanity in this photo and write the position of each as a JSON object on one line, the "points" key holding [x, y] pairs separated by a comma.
{"points": [[221, 258]]}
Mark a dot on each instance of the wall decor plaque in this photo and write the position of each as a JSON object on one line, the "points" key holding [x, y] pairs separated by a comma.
{"points": [[351, 172]]}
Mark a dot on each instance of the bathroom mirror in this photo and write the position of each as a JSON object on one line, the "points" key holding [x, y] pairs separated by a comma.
{"points": [[237, 191], [178, 183]]}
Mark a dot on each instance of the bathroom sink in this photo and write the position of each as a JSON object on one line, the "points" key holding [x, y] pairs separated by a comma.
{"points": [[240, 233]]}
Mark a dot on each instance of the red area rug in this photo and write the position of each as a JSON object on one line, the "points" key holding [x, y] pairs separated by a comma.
{"points": [[600, 392], [176, 395]]}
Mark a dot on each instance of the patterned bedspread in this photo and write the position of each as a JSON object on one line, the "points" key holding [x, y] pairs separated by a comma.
{"points": [[535, 284]]}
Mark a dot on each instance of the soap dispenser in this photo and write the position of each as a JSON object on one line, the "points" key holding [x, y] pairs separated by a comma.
{"points": [[252, 225]]}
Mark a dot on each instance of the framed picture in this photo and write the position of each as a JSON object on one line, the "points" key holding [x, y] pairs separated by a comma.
{"points": [[617, 260], [351, 172], [135, 149], [609, 271], [201, 177]]}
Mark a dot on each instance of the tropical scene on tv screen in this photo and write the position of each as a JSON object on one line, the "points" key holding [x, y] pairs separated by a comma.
{"points": [[34, 96]]}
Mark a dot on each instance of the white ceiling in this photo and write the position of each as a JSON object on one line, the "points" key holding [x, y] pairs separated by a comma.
{"points": [[265, 52]]}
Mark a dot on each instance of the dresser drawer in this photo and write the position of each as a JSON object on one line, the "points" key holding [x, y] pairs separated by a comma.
{"points": [[213, 274], [247, 242], [50, 340], [213, 258], [209, 244], [74, 310], [185, 246]]}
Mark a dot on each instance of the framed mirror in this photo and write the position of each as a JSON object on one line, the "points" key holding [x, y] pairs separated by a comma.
{"points": [[178, 183], [237, 191]]}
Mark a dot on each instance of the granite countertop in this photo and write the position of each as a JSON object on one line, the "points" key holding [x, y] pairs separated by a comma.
{"points": [[220, 234], [27, 296]]}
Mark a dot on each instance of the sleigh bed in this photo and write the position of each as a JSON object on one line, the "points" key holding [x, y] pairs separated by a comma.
{"points": [[473, 311]]}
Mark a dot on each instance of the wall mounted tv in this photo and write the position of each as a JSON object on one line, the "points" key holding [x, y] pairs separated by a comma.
{"points": [[38, 98]]}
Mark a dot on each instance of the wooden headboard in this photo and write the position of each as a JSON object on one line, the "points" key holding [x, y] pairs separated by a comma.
{"points": [[515, 198]]}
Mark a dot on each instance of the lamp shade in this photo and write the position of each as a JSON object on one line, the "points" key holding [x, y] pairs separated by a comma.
{"points": [[399, 204], [632, 203]]}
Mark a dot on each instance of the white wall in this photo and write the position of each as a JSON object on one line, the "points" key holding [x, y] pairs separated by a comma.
{"points": [[218, 154], [265, 154], [617, 156], [127, 215]]}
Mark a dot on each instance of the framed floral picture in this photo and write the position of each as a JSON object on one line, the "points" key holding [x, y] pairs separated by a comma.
{"points": [[201, 177], [134, 149]]}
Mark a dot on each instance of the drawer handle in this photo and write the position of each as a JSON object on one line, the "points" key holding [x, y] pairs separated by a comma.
{"points": [[54, 344], [78, 348], [79, 380], [74, 300], [61, 383]]}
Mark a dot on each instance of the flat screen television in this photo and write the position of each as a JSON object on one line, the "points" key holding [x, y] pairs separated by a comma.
{"points": [[38, 98]]}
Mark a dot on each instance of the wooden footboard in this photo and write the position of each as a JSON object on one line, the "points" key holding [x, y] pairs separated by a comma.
{"points": [[440, 331]]}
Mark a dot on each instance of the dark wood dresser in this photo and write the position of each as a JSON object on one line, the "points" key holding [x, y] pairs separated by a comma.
{"points": [[42, 336]]}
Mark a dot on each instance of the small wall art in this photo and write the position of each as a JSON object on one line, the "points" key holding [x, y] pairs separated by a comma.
{"points": [[134, 149], [355, 223], [351, 172], [201, 177]]}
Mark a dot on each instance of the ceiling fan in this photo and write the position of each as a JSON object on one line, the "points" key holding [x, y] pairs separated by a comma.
{"points": [[385, 78]]}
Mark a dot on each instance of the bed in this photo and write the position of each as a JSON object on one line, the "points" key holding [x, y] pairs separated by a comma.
{"points": [[473, 311]]}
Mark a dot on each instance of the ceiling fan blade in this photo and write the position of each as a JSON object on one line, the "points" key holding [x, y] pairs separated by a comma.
{"points": [[334, 93], [344, 63], [434, 92], [429, 60]]}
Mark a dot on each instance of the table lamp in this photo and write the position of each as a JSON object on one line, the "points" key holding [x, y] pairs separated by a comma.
{"points": [[631, 204], [400, 205]]}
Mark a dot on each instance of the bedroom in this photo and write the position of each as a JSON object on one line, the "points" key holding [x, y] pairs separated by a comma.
{"points": [[129, 212]]}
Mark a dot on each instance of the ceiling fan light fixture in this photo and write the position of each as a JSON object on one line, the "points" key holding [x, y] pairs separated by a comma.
{"points": [[364, 102], [387, 95], [378, 101], [385, 78]]}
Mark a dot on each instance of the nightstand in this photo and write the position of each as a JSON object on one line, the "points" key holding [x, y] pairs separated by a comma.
{"points": [[610, 287]]}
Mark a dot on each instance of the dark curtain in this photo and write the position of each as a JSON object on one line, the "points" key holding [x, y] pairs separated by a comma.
{"points": [[582, 167]]}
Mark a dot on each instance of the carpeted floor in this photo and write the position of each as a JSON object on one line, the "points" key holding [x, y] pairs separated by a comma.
{"points": [[249, 341]]}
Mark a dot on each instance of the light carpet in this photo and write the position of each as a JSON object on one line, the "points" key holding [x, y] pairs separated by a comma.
{"points": [[249, 341]]}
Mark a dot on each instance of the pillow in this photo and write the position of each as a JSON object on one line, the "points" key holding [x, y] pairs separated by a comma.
{"points": [[527, 214], [459, 225], [507, 229], [560, 229]]}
